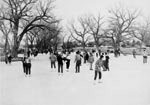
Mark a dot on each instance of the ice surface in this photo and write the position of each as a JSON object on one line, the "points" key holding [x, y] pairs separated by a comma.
{"points": [[127, 83]]}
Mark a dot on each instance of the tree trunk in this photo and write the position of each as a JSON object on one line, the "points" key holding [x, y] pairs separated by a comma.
{"points": [[83, 45], [15, 46], [6, 44], [15, 49], [97, 47], [16, 42]]}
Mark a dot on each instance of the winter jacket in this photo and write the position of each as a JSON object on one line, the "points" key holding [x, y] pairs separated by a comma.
{"points": [[60, 59], [91, 59], [98, 65], [77, 57], [52, 58]]}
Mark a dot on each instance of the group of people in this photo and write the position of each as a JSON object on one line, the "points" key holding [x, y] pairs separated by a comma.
{"points": [[60, 57], [88, 57]]}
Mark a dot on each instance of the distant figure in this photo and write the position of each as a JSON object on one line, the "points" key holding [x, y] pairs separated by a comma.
{"points": [[106, 62], [134, 53], [6, 57], [28, 66], [145, 54], [35, 52], [67, 61], [28, 53], [117, 52], [53, 59], [98, 66], [60, 63], [86, 57], [91, 60], [24, 63], [9, 58], [77, 61]]}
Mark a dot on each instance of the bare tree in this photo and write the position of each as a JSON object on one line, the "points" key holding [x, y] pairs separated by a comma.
{"points": [[47, 38], [24, 15], [80, 32], [142, 32], [32, 34], [5, 29], [95, 27], [121, 23], [68, 44]]}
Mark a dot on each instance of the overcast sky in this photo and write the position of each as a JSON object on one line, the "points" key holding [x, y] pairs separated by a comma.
{"points": [[68, 9]]}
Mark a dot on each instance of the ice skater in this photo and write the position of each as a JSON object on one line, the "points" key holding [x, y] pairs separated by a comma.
{"points": [[28, 66], [91, 60], [67, 61], [9, 58], [24, 64], [98, 66], [53, 60], [86, 56], [77, 61], [134, 53], [145, 54], [60, 63], [106, 62]]}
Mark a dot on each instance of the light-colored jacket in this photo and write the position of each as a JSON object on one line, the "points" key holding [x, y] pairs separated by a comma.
{"points": [[52, 58], [99, 65], [91, 59], [77, 57]]}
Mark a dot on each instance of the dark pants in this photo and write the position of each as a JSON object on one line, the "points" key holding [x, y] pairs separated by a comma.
{"points": [[28, 68], [60, 66], [96, 73], [9, 59], [106, 65], [53, 65], [24, 67], [68, 64]]}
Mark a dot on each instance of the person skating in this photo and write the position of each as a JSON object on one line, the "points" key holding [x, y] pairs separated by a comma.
{"points": [[91, 60], [28, 66], [28, 53], [106, 62], [24, 64], [98, 66], [60, 63], [9, 58], [134, 53], [77, 61], [86, 56], [67, 61], [53, 59], [145, 54]]}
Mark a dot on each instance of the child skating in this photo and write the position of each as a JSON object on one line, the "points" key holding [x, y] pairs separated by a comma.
{"points": [[98, 66]]}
